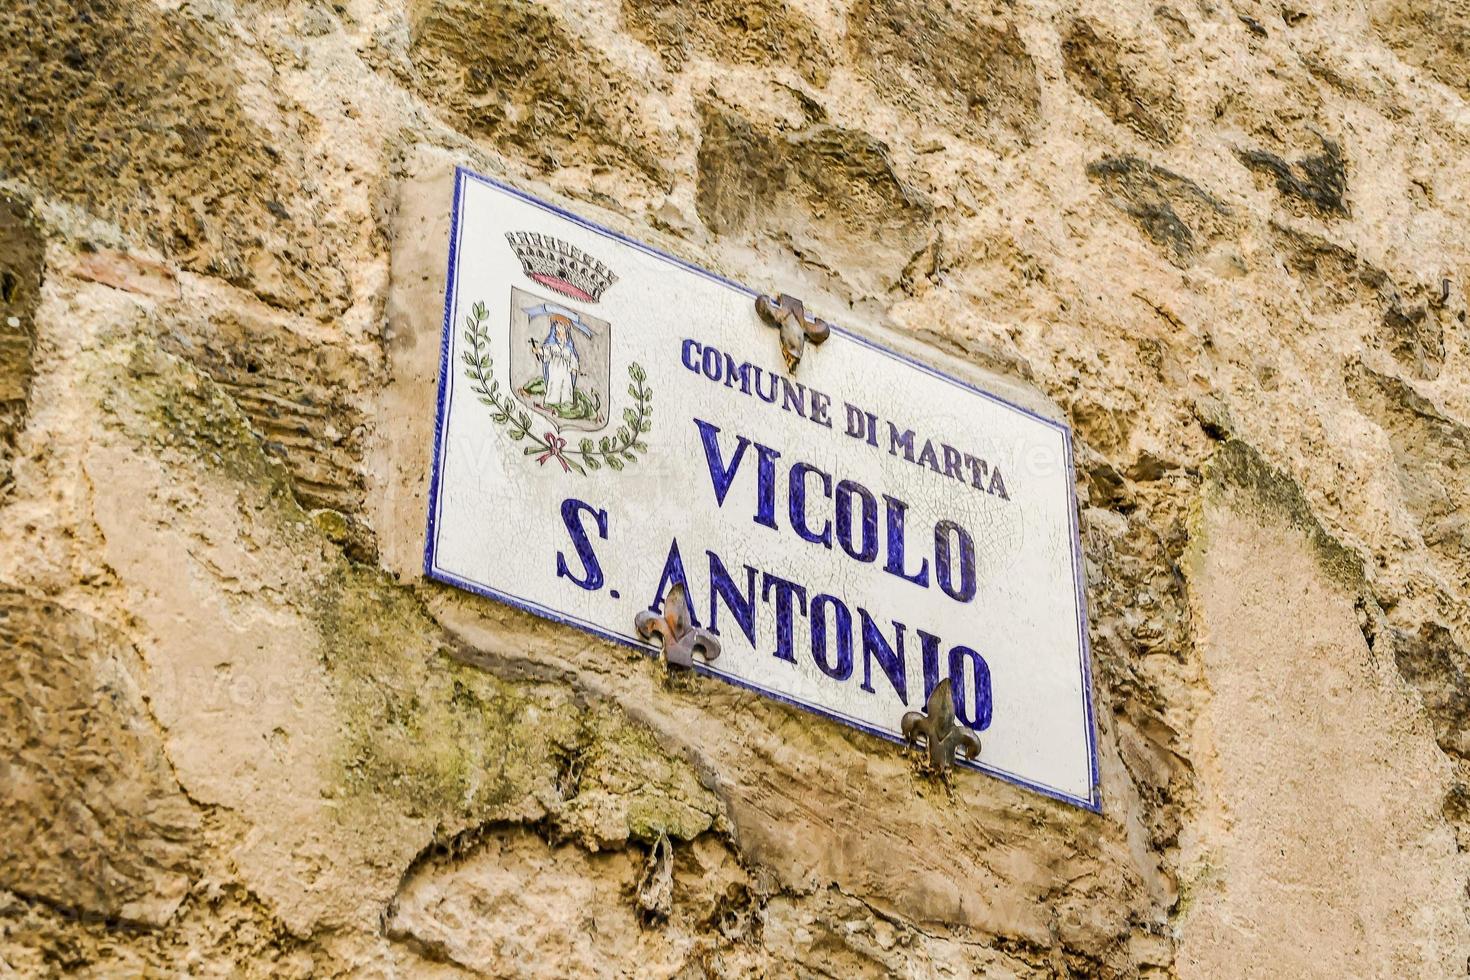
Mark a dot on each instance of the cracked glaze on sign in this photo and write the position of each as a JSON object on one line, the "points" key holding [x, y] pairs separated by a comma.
{"points": [[852, 538]]}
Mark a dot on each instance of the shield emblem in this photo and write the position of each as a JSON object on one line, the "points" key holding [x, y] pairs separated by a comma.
{"points": [[560, 361]]}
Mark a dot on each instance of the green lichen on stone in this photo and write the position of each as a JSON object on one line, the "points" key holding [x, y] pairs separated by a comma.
{"points": [[630, 787], [457, 743], [335, 526], [166, 404], [444, 739], [1206, 876], [1240, 472]]}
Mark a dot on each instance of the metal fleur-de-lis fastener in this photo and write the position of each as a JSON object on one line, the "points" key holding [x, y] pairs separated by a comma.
{"points": [[678, 636], [788, 315], [937, 725]]}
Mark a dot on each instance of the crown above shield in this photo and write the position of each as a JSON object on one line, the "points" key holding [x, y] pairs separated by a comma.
{"points": [[564, 268]]}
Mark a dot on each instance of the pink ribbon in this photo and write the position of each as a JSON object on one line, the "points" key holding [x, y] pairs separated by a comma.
{"points": [[556, 444]]}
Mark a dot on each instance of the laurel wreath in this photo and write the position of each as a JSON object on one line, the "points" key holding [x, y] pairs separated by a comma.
{"points": [[615, 451]]}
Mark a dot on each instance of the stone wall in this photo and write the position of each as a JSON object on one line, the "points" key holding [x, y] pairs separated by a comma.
{"points": [[241, 735]]}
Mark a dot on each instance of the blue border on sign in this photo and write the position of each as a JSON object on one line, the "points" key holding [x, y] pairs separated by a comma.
{"points": [[451, 296]]}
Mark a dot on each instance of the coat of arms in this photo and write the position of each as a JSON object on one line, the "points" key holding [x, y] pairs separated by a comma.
{"points": [[560, 361]]}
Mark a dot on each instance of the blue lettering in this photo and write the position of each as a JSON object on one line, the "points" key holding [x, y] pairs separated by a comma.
{"points": [[894, 511], [929, 647], [842, 669], [765, 494], [977, 471], [904, 442], [890, 658], [819, 407], [868, 522], [712, 362], [768, 399], [951, 461], [740, 605], [997, 486], [732, 373], [785, 591], [673, 575], [571, 515], [942, 569], [793, 393], [796, 504], [927, 456], [720, 474], [972, 711]]}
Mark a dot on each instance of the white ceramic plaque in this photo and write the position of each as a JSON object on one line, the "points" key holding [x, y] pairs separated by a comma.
{"points": [[613, 421]]}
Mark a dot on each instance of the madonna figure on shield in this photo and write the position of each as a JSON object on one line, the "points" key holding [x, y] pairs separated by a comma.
{"points": [[559, 364]]}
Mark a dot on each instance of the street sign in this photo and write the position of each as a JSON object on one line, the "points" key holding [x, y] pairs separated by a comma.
{"points": [[615, 422]]}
